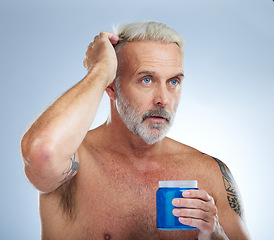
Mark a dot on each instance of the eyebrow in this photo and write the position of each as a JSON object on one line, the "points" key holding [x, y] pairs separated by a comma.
{"points": [[153, 73], [146, 73]]}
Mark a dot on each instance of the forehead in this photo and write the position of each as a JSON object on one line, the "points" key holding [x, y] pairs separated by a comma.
{"points": [[151, 56]]}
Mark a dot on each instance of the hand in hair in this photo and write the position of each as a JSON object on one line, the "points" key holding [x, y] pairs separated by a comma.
{"points": [[101, 51]]}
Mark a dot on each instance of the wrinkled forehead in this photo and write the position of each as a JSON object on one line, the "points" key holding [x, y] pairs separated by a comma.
{"points": [[151, 55]]}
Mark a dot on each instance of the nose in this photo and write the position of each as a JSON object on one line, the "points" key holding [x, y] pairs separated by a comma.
{"points": [[161, 95]]}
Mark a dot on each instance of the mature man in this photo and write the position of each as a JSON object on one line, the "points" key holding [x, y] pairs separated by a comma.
{"points": [[101, 184]]}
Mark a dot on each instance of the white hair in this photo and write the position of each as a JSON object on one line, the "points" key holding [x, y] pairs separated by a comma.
{"points": [[147, 31]]}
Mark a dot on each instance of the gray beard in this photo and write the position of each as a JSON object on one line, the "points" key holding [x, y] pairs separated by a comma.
{"points": [[135, 121]]}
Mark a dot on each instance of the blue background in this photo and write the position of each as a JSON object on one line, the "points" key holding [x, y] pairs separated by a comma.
{"points": [[226, 108]]}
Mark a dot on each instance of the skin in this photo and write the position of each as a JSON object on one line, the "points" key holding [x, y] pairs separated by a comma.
{"points": [[101, 184]]}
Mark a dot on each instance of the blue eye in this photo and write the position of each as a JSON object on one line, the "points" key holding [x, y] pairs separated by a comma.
{"points": [[146, 80], [174, 82]]}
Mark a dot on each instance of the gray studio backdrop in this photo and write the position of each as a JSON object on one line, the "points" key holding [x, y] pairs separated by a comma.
{"points": [[226, 109]]}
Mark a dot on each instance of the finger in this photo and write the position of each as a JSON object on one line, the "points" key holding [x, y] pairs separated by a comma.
{"points": [[193, 204], [193, 213], [90, 45], [198, 194], [93, 43], [198, 223], [113, 38], [96, 38]]}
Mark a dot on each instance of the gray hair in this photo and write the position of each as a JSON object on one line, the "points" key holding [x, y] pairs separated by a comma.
{"points": [[147, 31]]}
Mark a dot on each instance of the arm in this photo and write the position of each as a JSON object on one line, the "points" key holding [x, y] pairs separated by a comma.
{"points": [[199, 209], [49, 147]]}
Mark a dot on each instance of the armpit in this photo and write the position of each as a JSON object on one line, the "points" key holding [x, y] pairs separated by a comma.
{"points": [[67, 193], [67, 187]]}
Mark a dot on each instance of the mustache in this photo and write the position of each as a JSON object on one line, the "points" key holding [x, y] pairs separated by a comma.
{"points": [[161, 112]]}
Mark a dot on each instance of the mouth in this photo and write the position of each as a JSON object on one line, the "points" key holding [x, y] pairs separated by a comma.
{"points": [[157, 119], [157, 115]]}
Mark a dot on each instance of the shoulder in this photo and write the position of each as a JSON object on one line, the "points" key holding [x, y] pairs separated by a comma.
{"points": [[214, 175], [190, 155]]}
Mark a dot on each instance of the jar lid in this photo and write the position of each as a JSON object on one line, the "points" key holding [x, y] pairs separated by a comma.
{"points": [[178, 184]]}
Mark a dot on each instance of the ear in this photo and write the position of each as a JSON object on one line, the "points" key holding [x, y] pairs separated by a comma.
{"points": [[111, 91]]}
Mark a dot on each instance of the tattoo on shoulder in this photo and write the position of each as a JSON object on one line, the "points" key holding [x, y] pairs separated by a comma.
{"points": [[231, 188], [69, 171]]}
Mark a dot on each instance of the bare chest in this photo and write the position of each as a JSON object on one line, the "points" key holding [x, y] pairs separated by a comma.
{"points": [[117, 202], [112, 201]]}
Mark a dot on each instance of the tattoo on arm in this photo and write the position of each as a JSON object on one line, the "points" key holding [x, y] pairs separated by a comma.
{"points": [[68, 172], [231, 188]]}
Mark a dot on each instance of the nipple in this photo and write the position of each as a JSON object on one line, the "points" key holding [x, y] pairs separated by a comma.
{"points": [[107, 237]]}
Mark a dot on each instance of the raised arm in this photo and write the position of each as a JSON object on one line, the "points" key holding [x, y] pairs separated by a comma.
{"points": [[49, 147]]}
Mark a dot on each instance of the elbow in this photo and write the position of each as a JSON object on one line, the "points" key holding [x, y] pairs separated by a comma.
{"points": [[37, 157], [35, 151]]}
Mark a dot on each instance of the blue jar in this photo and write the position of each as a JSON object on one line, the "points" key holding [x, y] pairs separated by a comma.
{"points": [[168, 190]]}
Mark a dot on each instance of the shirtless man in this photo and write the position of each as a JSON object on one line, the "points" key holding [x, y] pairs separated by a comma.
{"points": [[101, 184]]}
